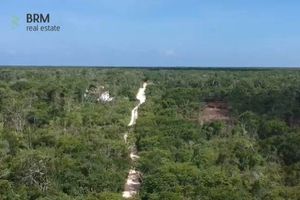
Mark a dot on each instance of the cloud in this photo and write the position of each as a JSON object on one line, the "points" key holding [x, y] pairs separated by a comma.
{"points": [[169, 52]]}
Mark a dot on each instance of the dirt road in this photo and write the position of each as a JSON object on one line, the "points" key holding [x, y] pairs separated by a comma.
{"points": [[133, 181]]}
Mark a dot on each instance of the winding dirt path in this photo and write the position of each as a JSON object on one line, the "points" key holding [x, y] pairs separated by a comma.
{"points": [[133, 181]]}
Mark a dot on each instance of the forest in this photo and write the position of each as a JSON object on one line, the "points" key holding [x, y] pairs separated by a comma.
{"points": [[202, 134]]}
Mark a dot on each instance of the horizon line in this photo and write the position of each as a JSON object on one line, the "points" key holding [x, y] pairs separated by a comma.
{"points": [[147, 66]]}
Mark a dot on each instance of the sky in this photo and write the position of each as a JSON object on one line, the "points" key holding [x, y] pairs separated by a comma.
{"points": [[207, 33]]}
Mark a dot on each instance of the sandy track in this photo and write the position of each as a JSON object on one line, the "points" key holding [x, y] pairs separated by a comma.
{"points": [[133, 181]]}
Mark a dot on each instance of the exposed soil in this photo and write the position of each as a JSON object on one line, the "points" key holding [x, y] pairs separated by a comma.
{"points": [[214, 111], [133, 181]]}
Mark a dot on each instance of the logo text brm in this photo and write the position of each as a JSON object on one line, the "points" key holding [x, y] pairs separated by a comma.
{"points": [[40, 22], [37, 18]]}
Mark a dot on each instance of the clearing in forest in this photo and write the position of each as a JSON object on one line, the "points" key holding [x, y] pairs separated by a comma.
{"points": [[214, 111]]}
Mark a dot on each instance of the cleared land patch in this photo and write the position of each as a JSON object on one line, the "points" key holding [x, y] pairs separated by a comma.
{"points": [[214, 111]]}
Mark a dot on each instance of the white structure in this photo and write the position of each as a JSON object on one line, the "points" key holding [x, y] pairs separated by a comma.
{"points": [[98, 92], [105, 97]]}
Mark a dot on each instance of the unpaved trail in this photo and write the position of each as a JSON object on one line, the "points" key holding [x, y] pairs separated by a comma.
{"points": [[142, 98], [133, 181]]}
